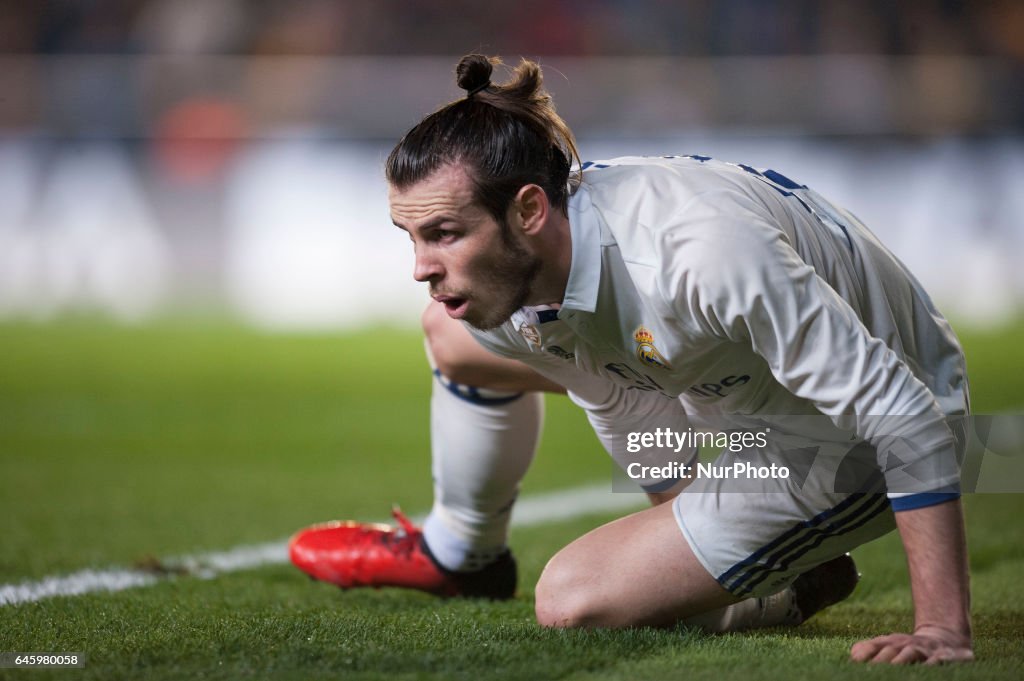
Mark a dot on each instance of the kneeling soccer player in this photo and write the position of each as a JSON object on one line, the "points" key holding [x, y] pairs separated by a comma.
{"points": [[664, 293]]}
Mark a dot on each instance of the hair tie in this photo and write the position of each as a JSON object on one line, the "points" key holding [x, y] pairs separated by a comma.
{"points": [[477, 89]]}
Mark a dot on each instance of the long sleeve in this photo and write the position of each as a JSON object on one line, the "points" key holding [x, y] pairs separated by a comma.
{"points": [[740, 280]]}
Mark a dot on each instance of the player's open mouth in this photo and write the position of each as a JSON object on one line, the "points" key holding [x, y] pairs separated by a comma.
{"points": [[455, 307]]}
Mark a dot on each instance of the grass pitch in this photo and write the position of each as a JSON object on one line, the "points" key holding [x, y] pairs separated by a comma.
{"points": [[118, 445]]}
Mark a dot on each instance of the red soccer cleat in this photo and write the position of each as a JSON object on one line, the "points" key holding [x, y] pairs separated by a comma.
{"points": [[351, 554]]}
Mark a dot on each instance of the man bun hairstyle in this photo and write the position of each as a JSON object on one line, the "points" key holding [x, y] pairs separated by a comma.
{"points": [[506, 136], [473, 73]]}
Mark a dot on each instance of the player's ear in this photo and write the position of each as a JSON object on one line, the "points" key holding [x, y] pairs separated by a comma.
{"points": [[531, 208]]}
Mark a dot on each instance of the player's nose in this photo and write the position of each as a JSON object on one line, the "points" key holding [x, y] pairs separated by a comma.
{"points": [[427, 268]]}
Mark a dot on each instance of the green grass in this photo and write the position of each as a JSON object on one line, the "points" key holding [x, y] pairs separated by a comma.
{"points": [[117, 444]]}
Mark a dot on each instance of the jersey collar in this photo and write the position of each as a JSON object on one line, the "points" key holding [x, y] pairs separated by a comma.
{"points": [[585, 269]]}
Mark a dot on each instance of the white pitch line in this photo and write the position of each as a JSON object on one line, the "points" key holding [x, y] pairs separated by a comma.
{"points": [[533, 510], [82, 582]]}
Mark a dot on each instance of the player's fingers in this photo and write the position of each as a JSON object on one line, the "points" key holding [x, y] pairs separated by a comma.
{"points": [[867, 650], [886, 654], [910, 654], [945, 655], [864, 651]]}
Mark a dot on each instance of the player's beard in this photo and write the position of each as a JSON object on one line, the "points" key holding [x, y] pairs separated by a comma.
{"points": [[507, 280]]}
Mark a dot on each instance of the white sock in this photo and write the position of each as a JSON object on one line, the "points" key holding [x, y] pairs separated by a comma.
{"points": [[482, 442], [753, 613]]}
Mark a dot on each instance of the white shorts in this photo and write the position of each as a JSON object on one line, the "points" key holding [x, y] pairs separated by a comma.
{"points": [[756, 536]]}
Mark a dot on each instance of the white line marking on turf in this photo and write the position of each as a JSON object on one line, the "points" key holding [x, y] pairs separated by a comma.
{"points": [[532, 510], [83, 582]]}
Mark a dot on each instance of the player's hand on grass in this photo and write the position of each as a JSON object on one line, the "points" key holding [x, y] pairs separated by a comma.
{"points": [[927, 645]]}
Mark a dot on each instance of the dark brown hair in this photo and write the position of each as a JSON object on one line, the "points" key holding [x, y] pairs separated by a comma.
{"points": [[507, 136]]}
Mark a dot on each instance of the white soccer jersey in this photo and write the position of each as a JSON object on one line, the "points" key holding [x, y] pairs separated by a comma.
{"points": [[706, 289]]}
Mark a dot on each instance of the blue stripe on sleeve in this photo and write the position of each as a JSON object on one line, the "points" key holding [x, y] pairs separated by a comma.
{"points": [[922, 500]]}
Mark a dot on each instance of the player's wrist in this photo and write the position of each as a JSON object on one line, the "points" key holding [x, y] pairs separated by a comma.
{"points": [[957, 635], [951, 620]]}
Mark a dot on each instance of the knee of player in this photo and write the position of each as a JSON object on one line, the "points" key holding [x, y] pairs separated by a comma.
{"points": [[562, 599], [445, 343], [433, 323]]}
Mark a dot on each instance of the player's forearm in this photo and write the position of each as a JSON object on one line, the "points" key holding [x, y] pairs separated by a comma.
{"points": [[936, 547]]}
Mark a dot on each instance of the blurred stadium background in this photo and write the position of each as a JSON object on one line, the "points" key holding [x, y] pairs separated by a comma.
{"points": [[224, 157]]}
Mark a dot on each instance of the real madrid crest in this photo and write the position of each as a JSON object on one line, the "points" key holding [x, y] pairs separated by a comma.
{"points": [[530, 333], [645, 350]]}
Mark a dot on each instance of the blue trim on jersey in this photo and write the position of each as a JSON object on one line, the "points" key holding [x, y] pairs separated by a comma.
{"points": [[780, 553], [472, 395], [783, 184], [545, 316], [922, 500], [780, 179]]}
